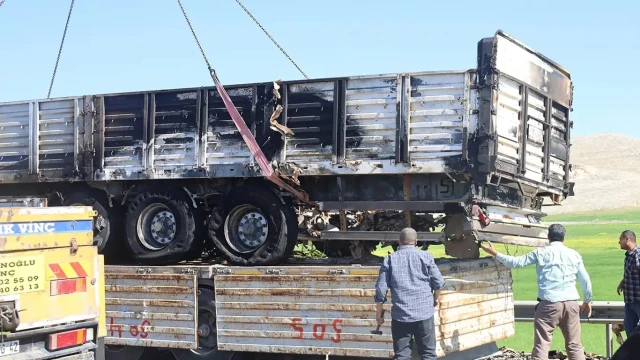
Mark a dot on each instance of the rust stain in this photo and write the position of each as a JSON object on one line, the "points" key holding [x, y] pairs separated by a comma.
{"points": [[148, 289]]}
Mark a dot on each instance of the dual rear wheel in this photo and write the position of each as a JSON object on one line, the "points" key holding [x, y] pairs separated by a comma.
{"points": [[250, 226]]}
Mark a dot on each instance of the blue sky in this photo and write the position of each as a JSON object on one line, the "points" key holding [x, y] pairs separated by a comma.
{"points": [[117, 45]]}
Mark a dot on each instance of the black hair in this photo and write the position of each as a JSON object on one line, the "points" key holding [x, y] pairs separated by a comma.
{"points": [[629, 235], [556, 232]]}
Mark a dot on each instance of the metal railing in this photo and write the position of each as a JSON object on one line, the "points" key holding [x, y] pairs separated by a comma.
{"points": [[602, 312]]}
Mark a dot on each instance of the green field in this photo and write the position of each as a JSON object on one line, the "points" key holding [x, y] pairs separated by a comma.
{"points": [[598, 245]]}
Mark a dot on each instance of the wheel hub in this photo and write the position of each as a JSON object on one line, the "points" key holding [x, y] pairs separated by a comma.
{"points": [[100, 223], [246, 228], [252, 229], [163, 227], [207, 334], [156, 227]]}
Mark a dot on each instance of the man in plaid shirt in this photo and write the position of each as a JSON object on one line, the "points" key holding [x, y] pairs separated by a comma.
{"points": [[630, 284], [415, 283]]}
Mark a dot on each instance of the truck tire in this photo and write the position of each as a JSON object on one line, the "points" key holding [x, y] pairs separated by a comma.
{"points": [[207, 334], [160, 227], [253, 227], [107, 235]]}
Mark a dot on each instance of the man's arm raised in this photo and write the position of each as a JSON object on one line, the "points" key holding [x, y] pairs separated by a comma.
{"points": [[511, 261]]}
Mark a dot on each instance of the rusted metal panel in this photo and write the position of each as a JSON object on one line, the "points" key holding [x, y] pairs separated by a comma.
{"points": [[175, 117], [39, 139], [372, 117], [530, 98], [123, 126], [151, 307], [224, 144], [13, 201], [437, 105], [311, 110], [330, 310]]}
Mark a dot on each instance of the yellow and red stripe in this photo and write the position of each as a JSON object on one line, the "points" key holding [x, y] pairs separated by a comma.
{"points": [[68, 277], [68, 270]]}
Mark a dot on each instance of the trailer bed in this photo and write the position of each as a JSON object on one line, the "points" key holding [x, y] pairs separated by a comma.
{"points": [[298, 309], [400, 123]]}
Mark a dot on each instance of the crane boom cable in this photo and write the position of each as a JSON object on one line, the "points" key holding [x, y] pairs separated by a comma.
{"points": [[243, 129], [272, 39], [195, 37], [64, 35]]}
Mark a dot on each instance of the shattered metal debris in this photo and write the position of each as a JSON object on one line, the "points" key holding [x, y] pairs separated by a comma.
{"points": [[315, 222], [510, 354]]}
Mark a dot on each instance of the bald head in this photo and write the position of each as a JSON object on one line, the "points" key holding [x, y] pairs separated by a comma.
{"points": [[408, 236]]}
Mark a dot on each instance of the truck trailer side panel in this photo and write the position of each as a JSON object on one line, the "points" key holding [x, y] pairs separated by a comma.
{"points": [[150, 309], [311, 310], [423, 122], [484, 147]]}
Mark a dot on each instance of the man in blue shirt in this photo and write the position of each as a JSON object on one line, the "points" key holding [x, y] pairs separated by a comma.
{"points": [[557, 267], [415, 283]]}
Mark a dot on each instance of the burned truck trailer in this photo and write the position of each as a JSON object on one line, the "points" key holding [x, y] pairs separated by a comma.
{"points": [[247, 169]]}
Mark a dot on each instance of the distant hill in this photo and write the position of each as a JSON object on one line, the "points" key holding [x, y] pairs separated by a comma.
{"points": [[606, 169]]}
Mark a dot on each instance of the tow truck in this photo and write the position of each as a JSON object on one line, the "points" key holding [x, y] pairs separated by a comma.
{"points": [[51, 283]]}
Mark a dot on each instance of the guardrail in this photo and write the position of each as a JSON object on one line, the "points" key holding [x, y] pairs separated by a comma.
{"points": [[602, 312]]}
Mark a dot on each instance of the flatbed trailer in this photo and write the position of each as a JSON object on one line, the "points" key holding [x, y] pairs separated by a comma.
{"points": [[247, 169], [216, 312]]}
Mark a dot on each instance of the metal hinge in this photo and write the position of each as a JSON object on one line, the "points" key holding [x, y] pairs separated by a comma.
{"points": [[222, 271], [189, 271], [74, 247]]}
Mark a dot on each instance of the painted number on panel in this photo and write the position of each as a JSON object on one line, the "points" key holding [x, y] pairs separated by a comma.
{"points": [[445, 188], [136, 331], [318, 331]]}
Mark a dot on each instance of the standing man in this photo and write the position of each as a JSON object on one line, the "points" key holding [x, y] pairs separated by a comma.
{"points": [[557, 267], [630, 284], [415, 283]]}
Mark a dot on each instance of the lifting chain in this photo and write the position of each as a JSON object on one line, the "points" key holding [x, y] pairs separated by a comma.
{"points": [[2, 2], [64, 34], [211, 71], [272, 39], [195, 37]]}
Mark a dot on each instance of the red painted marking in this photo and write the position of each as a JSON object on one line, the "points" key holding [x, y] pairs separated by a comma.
{"points": [[143, 331], [77, 267], [57, 271], [117, 327], [319, 330], [338, 331], [323, 329], [135, 331]]}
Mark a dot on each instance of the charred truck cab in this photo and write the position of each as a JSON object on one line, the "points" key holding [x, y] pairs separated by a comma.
{"points": [[245, 171]]}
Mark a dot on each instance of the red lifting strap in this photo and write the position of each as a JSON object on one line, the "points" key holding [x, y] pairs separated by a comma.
{"points": [[253, 144]]}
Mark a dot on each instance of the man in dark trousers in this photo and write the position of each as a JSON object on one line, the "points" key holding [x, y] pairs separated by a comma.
{"points": [[557, 268], [415, 283], [630, 284]]}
